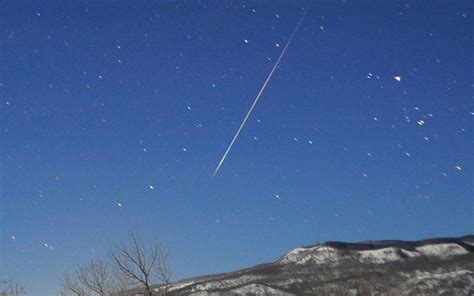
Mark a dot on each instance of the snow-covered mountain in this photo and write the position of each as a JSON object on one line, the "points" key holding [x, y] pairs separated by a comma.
{"points": [[442, 266]]}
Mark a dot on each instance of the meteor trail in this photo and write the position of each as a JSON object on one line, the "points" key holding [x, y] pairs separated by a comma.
{"points": [[259, 94]]}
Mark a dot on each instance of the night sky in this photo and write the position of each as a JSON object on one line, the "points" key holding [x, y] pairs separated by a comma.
{"points": [[113, 117]]}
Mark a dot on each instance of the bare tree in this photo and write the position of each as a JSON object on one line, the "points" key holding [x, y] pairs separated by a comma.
{"points": [[91, 279], [9, 288], [121, 284], [95, 276], [72, 285], [144, 267]]}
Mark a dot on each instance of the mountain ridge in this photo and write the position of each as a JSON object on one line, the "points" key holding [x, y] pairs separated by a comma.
{"points": [[434, 266]]}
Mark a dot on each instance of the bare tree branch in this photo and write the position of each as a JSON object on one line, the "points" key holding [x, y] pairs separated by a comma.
{"points": [[93, 278], [71, 284], [9, 288], [146, 268]]}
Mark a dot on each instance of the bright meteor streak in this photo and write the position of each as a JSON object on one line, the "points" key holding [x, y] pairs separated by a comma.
{"points": [[259, 94]]}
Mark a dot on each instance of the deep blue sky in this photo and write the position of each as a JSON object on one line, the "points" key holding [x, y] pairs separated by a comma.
{"points": [[100, 100]]}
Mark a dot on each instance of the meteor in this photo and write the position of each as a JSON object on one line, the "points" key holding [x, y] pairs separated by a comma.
{"points": [[259, 94]]}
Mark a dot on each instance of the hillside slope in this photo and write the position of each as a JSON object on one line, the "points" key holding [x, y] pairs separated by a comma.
{"points": [[442, 266]]}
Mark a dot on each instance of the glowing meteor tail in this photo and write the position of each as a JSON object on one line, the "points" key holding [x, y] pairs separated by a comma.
{"points": [[259, 94]]}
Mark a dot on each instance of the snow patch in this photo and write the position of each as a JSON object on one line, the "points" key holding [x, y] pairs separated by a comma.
{"points": [[435, 279], [318, 254], [380, 255], [180, 286], [324, 254], [468, 242], [225, 283], [410, 254], [257, 289], [442, 250]]}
